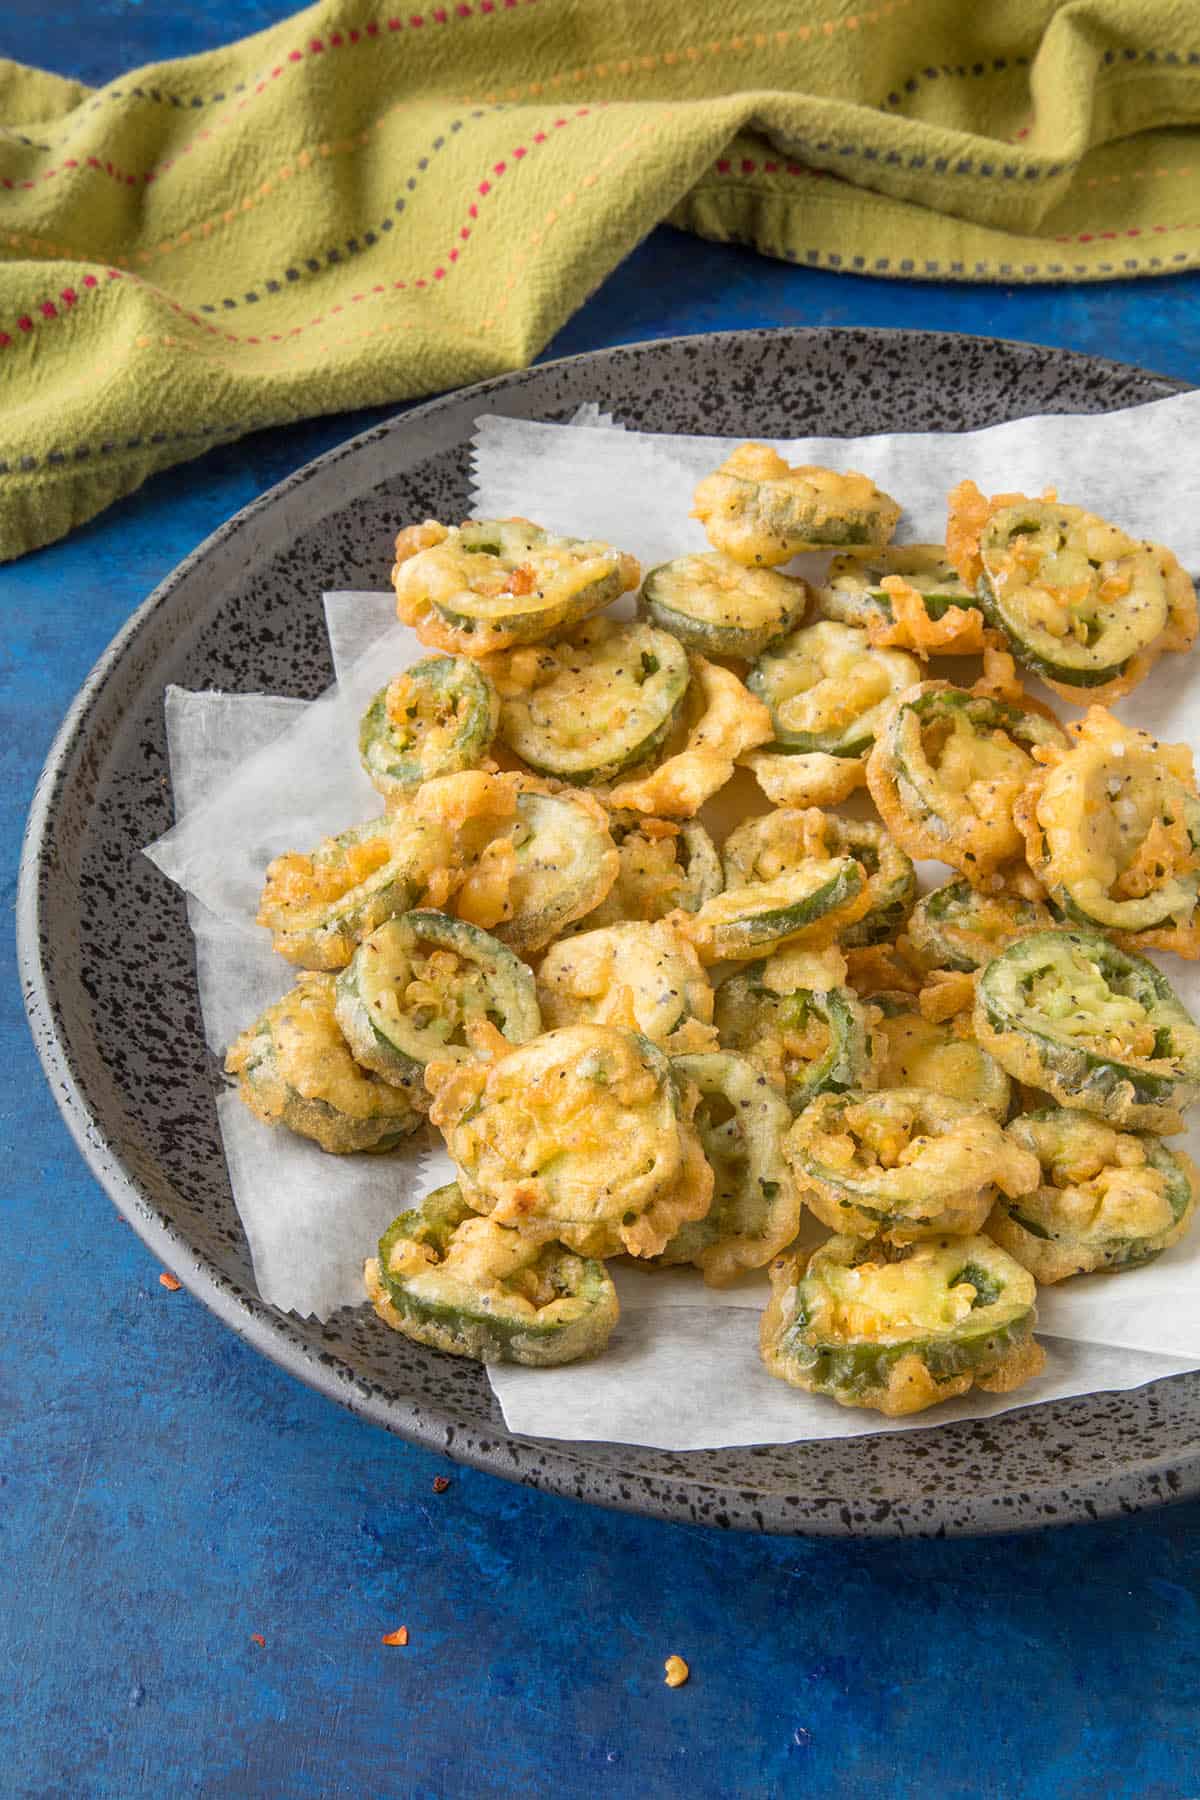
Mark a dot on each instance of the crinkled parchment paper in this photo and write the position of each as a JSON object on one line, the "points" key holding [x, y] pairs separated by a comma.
{"points": [[254, 775]]}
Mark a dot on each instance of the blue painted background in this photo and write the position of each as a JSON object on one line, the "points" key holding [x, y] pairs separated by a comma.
{"points": [[166, 1493]]}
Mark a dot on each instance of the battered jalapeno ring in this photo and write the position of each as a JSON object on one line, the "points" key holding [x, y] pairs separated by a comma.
{"points": [[447, 1278], [912, 1051], [811, 903], [808, 1041], [957, 927], [415, 987], [724, 722], [908, 595], [827, 690], [1108, 1200], [490, 583], [1082, 604], [755, 1208], [294, 1068], [664, 866], [1112, 828], [433, 719], [718, 606], [779, 842], [903, 1163], [598, 977], [319, 907], [592, 706], [576, 1136], [548, 860], [1096, 1027], [900, 1332], [946, 770], [759, 511]]}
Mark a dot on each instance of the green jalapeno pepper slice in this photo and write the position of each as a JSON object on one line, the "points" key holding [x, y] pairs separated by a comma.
{"points": [[898, 1332], [433, 719], [1097, 1028], [414, 987], [903, 1163], [590, 707], [295, 1068], [809, 1042], [828, 690], [755, 1209], [448, 1278], [1108, 1200], [720, 607], [958, 927]]}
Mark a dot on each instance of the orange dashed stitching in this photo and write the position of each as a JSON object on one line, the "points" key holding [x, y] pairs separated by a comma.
{"points": [[375, 31], [425, 283], [694, 53]]}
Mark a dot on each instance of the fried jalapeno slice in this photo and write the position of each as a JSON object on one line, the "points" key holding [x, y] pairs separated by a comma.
{"points": [[664, 866], [724, 721], [433, 719], [757, 510], [957, 927], [1108, 1199], [589, 707], [530, 861], [1112, 828], [418, 984], [1082, 604], [643, 976], [813, 903], [718, 606], [447, 1278], [1094, 1026], [755, 1208], [827, 690], [946, 770], [294, 1068], [319, 907], [810, 1041], [763, 849], [909, 596], [900, 1331], [578, 1136], [903, 1163], [491, 583], [940, 1055]]}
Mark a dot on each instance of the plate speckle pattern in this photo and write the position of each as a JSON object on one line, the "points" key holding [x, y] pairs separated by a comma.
{"points": [[109, 980]]}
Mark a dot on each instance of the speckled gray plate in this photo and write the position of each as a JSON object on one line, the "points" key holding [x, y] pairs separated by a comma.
{"points": [[106, 952]]}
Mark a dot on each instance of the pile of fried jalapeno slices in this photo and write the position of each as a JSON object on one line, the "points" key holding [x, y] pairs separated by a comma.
{"points": [[635, 1043]]}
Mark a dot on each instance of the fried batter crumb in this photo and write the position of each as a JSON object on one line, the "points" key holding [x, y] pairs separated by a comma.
{"points": [[677, 1671], [172, 1283], [399, 1636]]}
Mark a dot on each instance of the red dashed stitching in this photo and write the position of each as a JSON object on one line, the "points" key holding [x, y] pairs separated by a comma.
{"points": [[49, 310], [315, 47]]}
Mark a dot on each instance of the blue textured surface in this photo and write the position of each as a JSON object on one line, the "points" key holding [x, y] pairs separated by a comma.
{"points": [[166, 1493]]}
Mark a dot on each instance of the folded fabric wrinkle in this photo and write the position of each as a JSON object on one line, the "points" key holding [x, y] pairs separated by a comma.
{"points": [[357, 207]]}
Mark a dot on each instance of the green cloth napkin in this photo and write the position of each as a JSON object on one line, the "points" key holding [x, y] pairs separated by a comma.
{"points": [[360, 205]]}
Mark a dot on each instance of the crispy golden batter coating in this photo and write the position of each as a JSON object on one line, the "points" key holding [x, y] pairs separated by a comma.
{"points": [[575, 1136], [732, 723], [1070, 586], [294, 1068], [648, 971], [1112, 828], [759, 511]]}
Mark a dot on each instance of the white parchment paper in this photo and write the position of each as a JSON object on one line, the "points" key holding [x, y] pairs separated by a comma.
{"points": [[255, 775]]}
